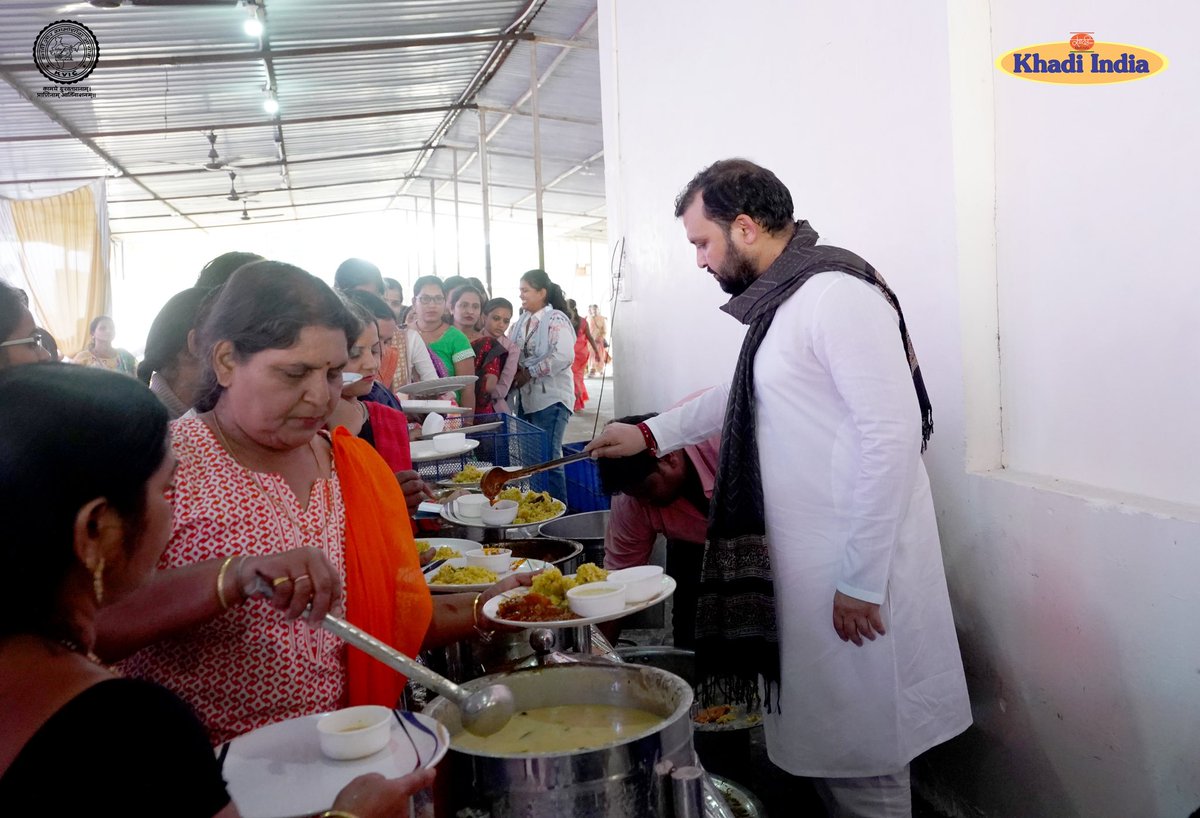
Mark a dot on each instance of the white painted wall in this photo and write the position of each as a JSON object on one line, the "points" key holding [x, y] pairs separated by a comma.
{"points": [[1073, 601], [1099, 296]]}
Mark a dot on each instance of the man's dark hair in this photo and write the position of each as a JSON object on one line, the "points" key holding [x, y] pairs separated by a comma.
{"points": [[393, 284], [217, 272], [355, 272], [734, 186], [619, 474]]}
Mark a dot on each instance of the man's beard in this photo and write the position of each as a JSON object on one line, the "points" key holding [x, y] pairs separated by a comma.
{"points": [[737, 273]]}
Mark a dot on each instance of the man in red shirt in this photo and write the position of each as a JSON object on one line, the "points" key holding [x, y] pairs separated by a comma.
{"points": [[669, 496]]}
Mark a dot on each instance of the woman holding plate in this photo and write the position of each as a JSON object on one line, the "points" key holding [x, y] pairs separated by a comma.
{"points": [[262, 492], [444, 340], [100, 528]]}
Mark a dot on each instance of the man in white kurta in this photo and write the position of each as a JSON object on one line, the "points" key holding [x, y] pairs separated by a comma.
{"points": [[849, 524]]}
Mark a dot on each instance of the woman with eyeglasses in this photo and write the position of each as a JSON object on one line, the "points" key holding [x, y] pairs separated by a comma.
{"points": [[443, 340], [21, 342]]}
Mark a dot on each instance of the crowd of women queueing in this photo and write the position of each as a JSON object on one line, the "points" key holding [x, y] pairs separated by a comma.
{"points": [[169, 550]]}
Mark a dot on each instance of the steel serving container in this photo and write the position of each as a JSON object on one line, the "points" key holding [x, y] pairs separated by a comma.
{"points": [[587, 528], [615, 781]]}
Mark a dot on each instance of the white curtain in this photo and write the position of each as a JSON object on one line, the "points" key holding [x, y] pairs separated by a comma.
{"points": [[56, 249]]}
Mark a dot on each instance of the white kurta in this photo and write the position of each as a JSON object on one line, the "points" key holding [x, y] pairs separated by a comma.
{"points": [[848, 508]]}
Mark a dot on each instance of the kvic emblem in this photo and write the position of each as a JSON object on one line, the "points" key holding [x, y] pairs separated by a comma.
{"points": [[65, 51]]}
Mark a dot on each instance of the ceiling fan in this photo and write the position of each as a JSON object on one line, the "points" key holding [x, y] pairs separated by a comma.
{"points": [[233, 196], [246, 217], [215, 162]]}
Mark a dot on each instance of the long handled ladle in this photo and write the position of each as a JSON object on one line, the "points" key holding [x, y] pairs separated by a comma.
{"points": [[484, 711], [494, 479]]}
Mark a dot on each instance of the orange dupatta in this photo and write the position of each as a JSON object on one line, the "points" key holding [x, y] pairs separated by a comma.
{"points": [[386, 594]]}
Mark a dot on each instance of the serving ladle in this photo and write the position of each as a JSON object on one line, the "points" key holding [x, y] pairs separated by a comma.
{"points": [[494, 479], [483, 712]]}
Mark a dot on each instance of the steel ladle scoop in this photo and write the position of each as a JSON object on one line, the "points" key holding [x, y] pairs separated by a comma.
{"points": [[484, 711], [493, 481]]}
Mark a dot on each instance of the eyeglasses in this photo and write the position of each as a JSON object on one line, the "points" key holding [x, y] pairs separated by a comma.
{"points": [[39, 337], [432, 299]]}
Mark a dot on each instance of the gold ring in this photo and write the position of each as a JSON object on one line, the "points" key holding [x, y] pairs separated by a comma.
{"points": [[302, 576], [275, 583]]}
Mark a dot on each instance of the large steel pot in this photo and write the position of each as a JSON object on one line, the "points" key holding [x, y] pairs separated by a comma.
{"points": [[565, 553], [587, 528], [617, 781], [723, 749]]}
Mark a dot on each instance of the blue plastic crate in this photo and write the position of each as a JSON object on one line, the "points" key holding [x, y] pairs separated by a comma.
{"points": [[515, 443], [583, 483]]}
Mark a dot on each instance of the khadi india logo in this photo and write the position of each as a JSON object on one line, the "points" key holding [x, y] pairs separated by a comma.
{"points": [[1082, 60]]}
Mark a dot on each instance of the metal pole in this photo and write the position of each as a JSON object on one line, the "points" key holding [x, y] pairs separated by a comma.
{"points": [[433, 223], [408, 244], [457, 227], [537, 154], [483, 192]]}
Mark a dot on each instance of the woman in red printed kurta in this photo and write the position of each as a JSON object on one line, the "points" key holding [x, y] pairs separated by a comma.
{"points": [[222, 509], [260, 495]]}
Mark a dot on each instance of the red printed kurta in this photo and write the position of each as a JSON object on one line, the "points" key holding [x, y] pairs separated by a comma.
{"points": [[249, 667]]}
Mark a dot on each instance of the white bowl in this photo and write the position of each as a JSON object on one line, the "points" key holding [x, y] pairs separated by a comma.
{"points": [[355, 732], [496, 560], [501, 512], [597, 598], [450, 441], [641, 582], [433, 424], [469, 506]]}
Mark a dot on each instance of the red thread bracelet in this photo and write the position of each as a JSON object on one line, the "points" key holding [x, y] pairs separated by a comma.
{"points": [[648, 436]]}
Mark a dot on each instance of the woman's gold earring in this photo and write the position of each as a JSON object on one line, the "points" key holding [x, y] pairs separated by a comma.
{"points": [[98, 582]]}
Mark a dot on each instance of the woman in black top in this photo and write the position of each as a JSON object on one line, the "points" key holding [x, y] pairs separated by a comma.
{"points": [[83, 466]]}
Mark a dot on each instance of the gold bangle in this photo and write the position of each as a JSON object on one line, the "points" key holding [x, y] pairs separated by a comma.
{"points": [[336, 813], [483, 634], [221, 583]]}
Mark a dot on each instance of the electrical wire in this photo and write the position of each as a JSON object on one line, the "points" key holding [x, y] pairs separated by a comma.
{"points": [[615, 275]]}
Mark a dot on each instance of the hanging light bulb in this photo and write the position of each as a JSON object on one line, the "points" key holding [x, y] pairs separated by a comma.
{"points": [[254, 24], [271, 103]]}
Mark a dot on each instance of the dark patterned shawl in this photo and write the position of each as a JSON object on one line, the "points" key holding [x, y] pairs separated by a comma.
{"points": [[736, 636]]}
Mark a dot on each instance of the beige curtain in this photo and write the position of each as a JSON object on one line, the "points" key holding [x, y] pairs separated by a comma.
{"points": [[60, 247]]}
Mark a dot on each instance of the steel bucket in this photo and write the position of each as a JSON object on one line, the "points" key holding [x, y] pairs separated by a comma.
{"points": [[587, 528], [616, 781]]}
